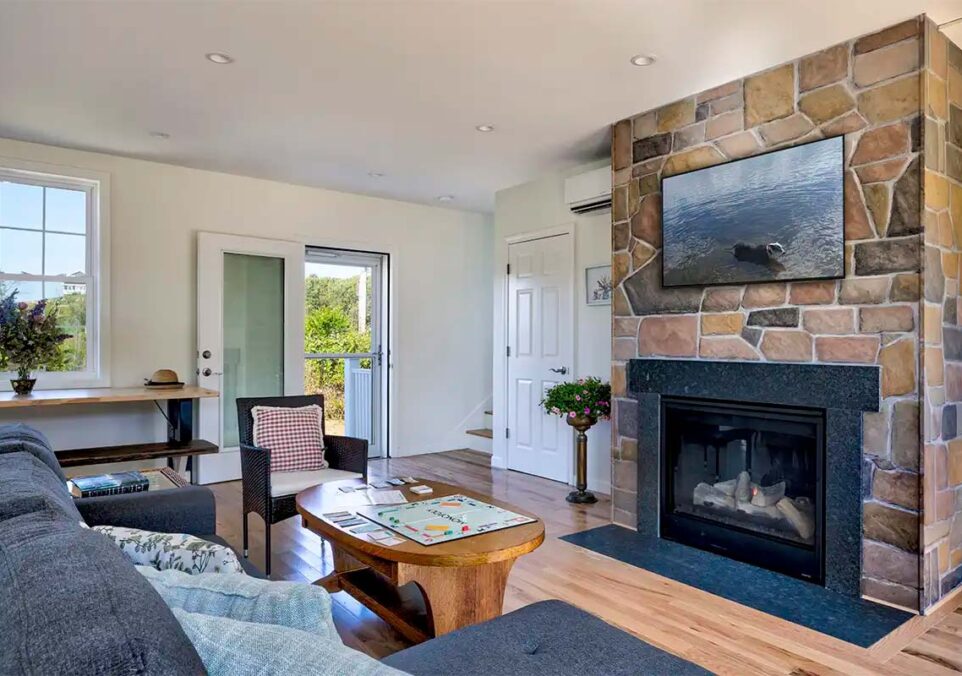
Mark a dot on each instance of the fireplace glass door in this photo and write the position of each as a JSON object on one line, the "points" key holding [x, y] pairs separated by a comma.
{"points": [[745, 481]]}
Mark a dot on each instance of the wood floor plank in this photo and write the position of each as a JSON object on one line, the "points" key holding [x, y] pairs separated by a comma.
{"points": [[718, 634]]}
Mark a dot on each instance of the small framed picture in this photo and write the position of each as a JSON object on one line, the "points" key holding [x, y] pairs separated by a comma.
{"points": [[598, 285]]}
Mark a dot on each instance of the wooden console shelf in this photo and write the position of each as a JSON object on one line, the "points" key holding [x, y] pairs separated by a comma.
{"points": [[180, 422], [94, 456]]}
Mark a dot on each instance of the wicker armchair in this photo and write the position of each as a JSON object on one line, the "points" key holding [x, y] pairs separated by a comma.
{"points": [[342, 453]]}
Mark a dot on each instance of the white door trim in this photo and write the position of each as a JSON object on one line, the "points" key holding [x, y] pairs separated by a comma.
{"points": [[564, 229], [211, 248]]}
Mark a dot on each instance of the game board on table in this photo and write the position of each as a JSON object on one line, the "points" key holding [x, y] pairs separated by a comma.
{"points": [[452, 517]]}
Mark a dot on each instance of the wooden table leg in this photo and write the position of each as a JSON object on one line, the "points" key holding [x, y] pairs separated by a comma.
{"points": [[343, 563], [459, 596]]}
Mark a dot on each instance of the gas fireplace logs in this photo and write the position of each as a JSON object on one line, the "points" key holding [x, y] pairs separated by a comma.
{"points": [[711, 496], [741, 494], [802, 521]]}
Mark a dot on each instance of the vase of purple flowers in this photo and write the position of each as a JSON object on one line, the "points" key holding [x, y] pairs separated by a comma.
{"points": [[30, 337]]}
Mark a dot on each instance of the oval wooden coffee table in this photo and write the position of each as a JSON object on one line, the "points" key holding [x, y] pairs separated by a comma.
{"points": [[422, 591]]}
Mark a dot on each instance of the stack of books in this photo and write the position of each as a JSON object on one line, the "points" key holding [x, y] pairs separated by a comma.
{"points": [[108, 484]]}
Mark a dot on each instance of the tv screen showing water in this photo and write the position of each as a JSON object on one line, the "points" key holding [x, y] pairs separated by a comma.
{"points": [[777, 216]]}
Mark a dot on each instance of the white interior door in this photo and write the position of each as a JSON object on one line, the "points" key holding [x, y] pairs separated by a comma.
{"points": [[250, 335], [540, 353]]}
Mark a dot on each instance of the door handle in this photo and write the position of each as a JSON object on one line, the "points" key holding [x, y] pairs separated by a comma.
{"points": [[563, 370], [208, 372]]}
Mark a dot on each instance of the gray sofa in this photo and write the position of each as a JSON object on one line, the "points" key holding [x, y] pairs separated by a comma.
{"points": [[71, 603]]}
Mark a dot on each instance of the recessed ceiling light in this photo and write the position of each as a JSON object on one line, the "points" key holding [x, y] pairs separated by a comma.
{"points": [[375, 174], [160, 135], [642, 60], [485, 127], [445, 198], [219, 58]]}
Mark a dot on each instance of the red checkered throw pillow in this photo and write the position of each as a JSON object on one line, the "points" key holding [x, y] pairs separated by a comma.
{"points": [[292, 435]]}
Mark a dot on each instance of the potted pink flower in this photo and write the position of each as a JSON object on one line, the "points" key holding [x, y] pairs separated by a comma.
{"points": [[581, 403]]}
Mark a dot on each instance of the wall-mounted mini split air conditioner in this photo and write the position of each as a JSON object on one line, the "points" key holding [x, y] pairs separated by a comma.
{"points": [[590, 191]]}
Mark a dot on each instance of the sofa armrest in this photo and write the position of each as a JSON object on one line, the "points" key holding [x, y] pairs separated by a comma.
{"points": [[346, 453], [189, 509]]}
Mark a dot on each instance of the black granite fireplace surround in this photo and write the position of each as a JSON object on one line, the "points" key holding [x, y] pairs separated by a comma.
{"points": [[829, 398]]}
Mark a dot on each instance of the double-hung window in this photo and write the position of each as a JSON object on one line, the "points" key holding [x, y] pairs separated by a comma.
{"points": [[53, 246]]}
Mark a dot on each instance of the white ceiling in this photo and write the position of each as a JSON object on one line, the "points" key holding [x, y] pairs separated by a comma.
{"points": [[322, 93]]}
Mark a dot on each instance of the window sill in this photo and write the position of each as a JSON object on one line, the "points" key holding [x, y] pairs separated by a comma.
{"points": [[59, 381]]}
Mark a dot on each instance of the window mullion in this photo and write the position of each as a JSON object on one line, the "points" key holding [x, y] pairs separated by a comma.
{"points": [[67, 279], [43, 242]]}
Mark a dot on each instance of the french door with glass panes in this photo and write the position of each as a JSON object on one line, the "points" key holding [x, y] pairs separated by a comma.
{"points": [[345, 343], [250, 335]]}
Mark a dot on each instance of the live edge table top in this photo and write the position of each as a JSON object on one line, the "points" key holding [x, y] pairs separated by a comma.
{"points": [[102, 395], [500, 545]]}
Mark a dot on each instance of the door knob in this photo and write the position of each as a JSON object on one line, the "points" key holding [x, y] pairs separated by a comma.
{"points": [[563, 370], [208, 372]]}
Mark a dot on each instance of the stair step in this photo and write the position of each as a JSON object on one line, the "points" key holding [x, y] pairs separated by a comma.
{"points": [[484, 432]]}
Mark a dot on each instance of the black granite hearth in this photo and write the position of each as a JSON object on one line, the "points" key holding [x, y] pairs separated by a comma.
{"points": [[843, 392], [850, 619]]}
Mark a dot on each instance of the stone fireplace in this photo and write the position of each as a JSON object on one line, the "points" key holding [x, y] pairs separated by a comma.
{"points": [[897, 311], [759, 462]]}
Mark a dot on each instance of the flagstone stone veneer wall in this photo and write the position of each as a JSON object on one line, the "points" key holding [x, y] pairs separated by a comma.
{"points": [[941, 305], [869, 90]]}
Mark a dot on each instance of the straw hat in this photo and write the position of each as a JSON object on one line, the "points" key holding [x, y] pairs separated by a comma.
{"points": [[163, 378]]}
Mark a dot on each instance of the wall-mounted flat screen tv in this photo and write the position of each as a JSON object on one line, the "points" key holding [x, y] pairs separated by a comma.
{"points": [[772, 217]]}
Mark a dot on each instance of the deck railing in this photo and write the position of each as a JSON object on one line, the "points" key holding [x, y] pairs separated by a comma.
{"points": [[357, 400]]}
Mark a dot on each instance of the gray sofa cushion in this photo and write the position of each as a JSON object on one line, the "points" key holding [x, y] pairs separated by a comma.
{"points": [[19, 437], [70, 603], [550, 637], [28, 485]]}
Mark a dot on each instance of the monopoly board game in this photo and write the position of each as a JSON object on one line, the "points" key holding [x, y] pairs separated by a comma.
{"points": [[452, 517]]}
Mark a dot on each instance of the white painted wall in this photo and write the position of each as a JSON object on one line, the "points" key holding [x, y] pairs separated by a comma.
{"points": [[538, 205], [440, 285]]}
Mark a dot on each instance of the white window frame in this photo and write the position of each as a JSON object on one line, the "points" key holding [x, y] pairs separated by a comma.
{"points": [[97, 186]]}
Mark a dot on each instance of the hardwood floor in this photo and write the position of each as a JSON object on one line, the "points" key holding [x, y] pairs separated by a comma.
{"points": [[718, 634]]}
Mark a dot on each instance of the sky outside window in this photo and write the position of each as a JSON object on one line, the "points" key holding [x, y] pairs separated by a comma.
{"points": [[42, 230]]}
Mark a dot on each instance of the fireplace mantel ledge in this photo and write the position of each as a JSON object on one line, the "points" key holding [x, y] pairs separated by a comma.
{"points": [[853, 387]]}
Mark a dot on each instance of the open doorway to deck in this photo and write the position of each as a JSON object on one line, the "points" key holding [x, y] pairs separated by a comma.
{"points": [[345, 341]]}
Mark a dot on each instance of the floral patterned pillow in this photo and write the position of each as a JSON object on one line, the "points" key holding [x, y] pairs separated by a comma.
{"points": [[177, 551]]}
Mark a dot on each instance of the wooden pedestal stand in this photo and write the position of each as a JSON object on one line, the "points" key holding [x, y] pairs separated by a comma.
{"points": [[582, 496]]}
